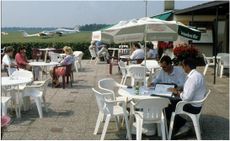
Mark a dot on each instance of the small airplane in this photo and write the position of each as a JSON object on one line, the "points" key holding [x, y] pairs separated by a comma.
{"points": [[62, 31], [59, 32]]}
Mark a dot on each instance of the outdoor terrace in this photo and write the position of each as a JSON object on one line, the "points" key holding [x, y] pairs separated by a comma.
{"points": [[72, 112]]}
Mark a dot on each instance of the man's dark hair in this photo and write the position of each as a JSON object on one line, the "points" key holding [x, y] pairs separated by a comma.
{"points": [[166, 59], [21, 48], [9, 49], [191, 62], [137, 45], [149, 45]]}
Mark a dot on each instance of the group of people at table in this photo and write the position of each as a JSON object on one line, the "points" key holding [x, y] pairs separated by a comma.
{"points": [[189, 88], [22, 62]]}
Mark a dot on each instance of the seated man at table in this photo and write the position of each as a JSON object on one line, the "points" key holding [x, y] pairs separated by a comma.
{"points": [[23, 63], [194, 90], [68, 59], [151, 52], [137, 54], [169, 73], [8, 61]]}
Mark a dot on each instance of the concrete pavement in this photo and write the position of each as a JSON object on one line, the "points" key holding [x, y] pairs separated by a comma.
{"points": [[72, 112]]}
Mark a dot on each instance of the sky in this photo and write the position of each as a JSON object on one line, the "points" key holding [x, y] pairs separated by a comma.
{"points": [[71, 13]]}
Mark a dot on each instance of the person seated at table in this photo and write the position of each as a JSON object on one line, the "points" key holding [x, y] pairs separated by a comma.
{"points": [[103, 52], [92, 49], [194, 90], [67, 60], [23, 63], [138, 53], [169, 73], [7, 60], [98, 45], [151, 52]]}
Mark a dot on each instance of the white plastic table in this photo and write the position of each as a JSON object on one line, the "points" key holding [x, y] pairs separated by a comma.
{"points": [[42, 64], [9, 81]]}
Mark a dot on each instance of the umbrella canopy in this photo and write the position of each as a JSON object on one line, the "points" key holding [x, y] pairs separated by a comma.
{"points": [[148, 29]]}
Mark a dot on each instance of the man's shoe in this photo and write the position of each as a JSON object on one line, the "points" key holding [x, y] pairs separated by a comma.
{"points": [[183, 130]]}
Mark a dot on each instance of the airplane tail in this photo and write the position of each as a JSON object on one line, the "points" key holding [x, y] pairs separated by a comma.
{"points": [[25, 34], [76, 28]]}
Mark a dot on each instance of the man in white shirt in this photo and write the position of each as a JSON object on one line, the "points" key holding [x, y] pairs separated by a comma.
{"points": [[7, 60], [138, 53], [194, 89], [170, 73]]}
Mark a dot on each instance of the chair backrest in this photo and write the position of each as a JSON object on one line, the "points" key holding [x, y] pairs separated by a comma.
{"points": [[54, 57], [101, 103], [225, 60], [23, 74], [137, 72], [124, 51], [151, 107], [69, 69], [78, 54], [108, 84], [122, 66], [222, 54], [45, 85], [205, 59]]}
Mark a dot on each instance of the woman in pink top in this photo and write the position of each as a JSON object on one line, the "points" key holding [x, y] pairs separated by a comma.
{"points": [[21, 59], [23, 63]]}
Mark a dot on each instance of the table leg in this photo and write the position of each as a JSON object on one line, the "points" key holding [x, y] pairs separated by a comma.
{"points": [[18, 102], [46, 55]]}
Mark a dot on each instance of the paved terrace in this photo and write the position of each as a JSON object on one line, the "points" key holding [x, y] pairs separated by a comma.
{"points": [[72, 112]]}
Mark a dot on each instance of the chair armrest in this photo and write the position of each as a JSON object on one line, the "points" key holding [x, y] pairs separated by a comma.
{"points": [[180, 105]]}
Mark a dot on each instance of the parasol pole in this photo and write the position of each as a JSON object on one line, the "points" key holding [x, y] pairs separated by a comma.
{"points": [[145, 38]]}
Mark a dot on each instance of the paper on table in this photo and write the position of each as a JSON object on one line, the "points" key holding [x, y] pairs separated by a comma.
{"points": [[162, 89]]}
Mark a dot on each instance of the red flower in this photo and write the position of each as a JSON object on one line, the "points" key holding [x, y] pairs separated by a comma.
{"points": [[165, 45], [184, 50]]}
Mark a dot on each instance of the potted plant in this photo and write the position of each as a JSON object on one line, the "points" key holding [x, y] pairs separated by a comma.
{"points": [[183, 51]]}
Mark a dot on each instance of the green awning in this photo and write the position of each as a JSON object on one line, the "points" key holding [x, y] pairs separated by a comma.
{"points": [[163, 16]]}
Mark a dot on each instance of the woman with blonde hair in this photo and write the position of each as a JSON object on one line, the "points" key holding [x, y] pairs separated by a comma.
{"points": [[59, 71]]}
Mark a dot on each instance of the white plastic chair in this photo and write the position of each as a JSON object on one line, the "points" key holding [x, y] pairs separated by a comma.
{"points": [[109, 108], [150, 110], [4, 101], [77, 63], [137, 73], [124, 72], [110, 85], [209, 61], [55, 57], [37, 92], [224, 63], [195, 117]]}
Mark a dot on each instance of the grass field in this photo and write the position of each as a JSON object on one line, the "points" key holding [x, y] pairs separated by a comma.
{"points": [[17, 37]]}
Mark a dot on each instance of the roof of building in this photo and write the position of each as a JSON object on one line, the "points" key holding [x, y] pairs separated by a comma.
{"points": [[208, 8]]}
